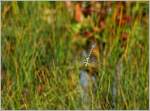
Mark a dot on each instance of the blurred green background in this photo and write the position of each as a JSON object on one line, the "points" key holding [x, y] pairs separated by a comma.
{"points": [[38, 48]]}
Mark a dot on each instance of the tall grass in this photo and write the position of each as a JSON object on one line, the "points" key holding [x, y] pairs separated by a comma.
{"points": [[37, 54]]}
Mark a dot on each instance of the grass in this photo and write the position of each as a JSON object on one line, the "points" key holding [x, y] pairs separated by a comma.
{"points": [[40, 46]]}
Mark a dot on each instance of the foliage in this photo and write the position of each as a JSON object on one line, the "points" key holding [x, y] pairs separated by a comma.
{"points": [[41, 42]]}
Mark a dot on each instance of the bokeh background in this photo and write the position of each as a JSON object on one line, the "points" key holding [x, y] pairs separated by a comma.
{"points": [[41, 44]]}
